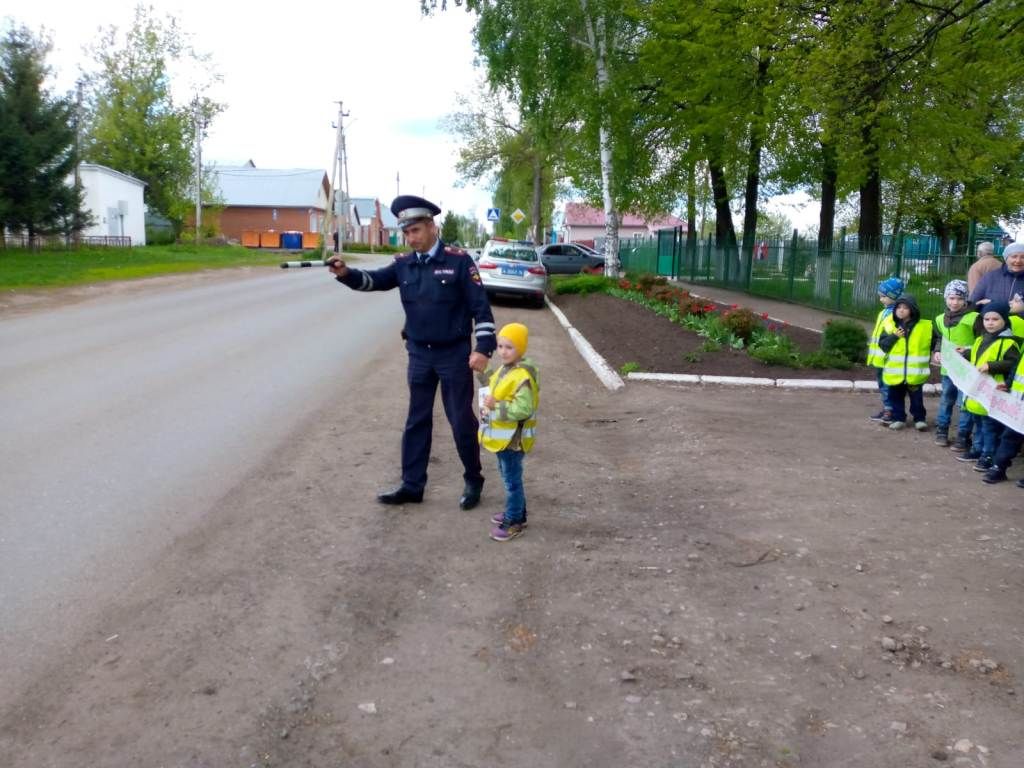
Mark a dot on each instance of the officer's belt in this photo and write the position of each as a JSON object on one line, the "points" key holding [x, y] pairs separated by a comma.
{"points": [[439, 344]]}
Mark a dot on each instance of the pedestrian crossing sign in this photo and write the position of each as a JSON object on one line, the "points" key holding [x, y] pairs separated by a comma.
{"points": [[493, 214]]}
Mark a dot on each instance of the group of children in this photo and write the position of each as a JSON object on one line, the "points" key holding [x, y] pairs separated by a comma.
{"points": [[903, 344]]}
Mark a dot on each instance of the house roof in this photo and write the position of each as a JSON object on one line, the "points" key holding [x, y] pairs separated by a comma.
{"points": [[270, 187], [110, 172], [582, 215], [365, 208]]}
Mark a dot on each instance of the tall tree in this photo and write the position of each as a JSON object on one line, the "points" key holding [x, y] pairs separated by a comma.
{"points": [[37, 143], [450, 228], [135, 125]]}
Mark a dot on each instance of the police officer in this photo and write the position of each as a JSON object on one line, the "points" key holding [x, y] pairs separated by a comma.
{"points": [[443, 300]]}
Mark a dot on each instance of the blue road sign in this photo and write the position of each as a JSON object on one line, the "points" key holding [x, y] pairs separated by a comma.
{"points": [[493, 214]]}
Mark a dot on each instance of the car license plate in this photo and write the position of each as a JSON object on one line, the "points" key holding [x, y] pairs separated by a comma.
{"points": [[513, 269]]}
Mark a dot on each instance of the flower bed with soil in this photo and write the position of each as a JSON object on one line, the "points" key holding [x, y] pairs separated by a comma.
{"points": [[634, 337]]}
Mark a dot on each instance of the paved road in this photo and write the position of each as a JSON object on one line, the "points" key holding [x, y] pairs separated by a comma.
{"points": [[124, 418]]}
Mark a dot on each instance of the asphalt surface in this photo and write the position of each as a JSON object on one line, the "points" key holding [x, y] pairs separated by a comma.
{"points": [[125, 417]]}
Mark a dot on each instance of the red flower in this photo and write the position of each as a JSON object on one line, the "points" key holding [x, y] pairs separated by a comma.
{"points": [[734, 306], [764, 315]]}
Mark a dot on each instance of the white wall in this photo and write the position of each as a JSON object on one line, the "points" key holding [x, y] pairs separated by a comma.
{"points": [[106, 193]]}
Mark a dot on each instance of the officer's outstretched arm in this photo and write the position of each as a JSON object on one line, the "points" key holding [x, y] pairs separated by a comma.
{"points": [[383, 279]]}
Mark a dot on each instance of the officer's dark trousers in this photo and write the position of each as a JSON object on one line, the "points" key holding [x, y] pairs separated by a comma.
{"points": [[450, 366]]}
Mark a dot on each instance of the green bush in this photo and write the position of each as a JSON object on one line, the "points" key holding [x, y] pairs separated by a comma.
{"points": [[775, 355], [846, 339], [159, 235], [628, 368], [582, 284], [824, 359]]}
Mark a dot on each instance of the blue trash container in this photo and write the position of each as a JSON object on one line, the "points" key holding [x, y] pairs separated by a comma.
{"points": [[291, 241]]}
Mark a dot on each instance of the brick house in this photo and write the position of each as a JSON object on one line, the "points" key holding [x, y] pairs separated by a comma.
{"points": [[585, 224], [373, 223], [262, 199]]}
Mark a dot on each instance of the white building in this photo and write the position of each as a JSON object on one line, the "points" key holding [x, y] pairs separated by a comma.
{"points": [[114, 200]]}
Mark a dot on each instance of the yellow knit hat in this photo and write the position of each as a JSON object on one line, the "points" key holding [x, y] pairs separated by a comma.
{"points": [[518, 334]]}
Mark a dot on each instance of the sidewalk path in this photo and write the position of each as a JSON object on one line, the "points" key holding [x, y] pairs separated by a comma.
{"points": [[794, 314]]}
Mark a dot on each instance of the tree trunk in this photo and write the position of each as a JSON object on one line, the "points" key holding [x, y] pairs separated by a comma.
{"points": [[535, 204], [725, 232], [754, 149], [826, 222], [598, 46], [691, 216]]}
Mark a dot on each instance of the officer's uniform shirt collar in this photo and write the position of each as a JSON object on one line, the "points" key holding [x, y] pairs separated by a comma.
{"points": [[424, 258]]}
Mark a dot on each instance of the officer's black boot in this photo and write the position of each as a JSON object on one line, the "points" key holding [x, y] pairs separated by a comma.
{"points": [[471, 495], [400, 495]]}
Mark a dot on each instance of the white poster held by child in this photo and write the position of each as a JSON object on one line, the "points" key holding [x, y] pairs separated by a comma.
{"points": [[481, 395]]}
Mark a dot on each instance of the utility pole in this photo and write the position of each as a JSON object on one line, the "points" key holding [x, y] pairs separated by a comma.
{"points": [[77, 232], [199, 170], [339, 171]]}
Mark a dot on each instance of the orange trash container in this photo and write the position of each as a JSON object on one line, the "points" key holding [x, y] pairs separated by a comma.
{"points": [[310, 241], [270, 239], [251, 238]]}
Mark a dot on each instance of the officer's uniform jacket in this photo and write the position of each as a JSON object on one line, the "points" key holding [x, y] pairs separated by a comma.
{"points": [[443, 297]]}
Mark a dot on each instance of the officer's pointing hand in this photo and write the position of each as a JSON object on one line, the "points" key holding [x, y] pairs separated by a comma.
{"points": [[337, 267], [478, 362]]}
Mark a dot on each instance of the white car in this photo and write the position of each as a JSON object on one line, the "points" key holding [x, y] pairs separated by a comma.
{"points": [[513, 269]]}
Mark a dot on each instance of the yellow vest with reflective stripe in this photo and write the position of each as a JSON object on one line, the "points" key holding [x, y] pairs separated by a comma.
{"points": [[995, 351], [496, 435], [884, 323], [907, 361]]}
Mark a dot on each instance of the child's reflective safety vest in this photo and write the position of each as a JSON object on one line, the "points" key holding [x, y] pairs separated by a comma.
{"points": [[884, 323], [960, 335], [495, 435], [907, 361], [995, 351]]}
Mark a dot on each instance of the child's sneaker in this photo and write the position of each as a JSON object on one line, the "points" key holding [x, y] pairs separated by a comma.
{"points": [[499, 517], [886, 418], [968, 456], [984, 464], [960, 445], [921, 426], [942, 437], [878, 416], [896, 424], [503, 533], [994, 475]]}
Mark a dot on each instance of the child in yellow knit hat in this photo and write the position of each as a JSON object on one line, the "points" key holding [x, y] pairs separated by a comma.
{"points": [[508, 423]]}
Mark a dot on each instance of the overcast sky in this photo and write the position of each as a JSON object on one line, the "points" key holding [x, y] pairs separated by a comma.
{"points": [[285, 66]]}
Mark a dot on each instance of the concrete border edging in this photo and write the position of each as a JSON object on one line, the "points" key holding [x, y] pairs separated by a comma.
{"points": [[597, 364]]}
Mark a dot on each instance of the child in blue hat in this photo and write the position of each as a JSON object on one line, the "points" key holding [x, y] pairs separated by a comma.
{"points": [[889, 290]]}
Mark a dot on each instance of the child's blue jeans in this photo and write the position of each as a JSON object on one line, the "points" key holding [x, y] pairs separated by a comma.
{"points": [[990, 430], [510, 464], [883, 390], [951, 396]]}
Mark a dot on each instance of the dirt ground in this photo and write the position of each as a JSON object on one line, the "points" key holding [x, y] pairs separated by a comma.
{"points": [[711, 577]]}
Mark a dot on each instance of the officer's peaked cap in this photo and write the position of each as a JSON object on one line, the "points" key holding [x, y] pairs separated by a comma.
{"points": [[410, 208]]}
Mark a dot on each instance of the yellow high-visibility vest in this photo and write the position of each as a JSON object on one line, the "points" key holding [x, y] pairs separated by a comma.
{"points": [[496, 435], [995, 351], [907, 361], [884, 323]]}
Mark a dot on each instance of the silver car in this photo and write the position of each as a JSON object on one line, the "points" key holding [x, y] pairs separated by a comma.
{"points": [[513, 269]]}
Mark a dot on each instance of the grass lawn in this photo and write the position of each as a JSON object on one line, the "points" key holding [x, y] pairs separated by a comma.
{"points": [[22, 269]]}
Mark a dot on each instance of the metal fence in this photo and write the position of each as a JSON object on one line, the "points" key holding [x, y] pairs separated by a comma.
{"points": [[842, 280], [57, 242]]}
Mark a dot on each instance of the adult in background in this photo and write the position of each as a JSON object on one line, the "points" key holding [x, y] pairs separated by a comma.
{"points": [[443, 299], [1005, 284], [987, 262]]}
